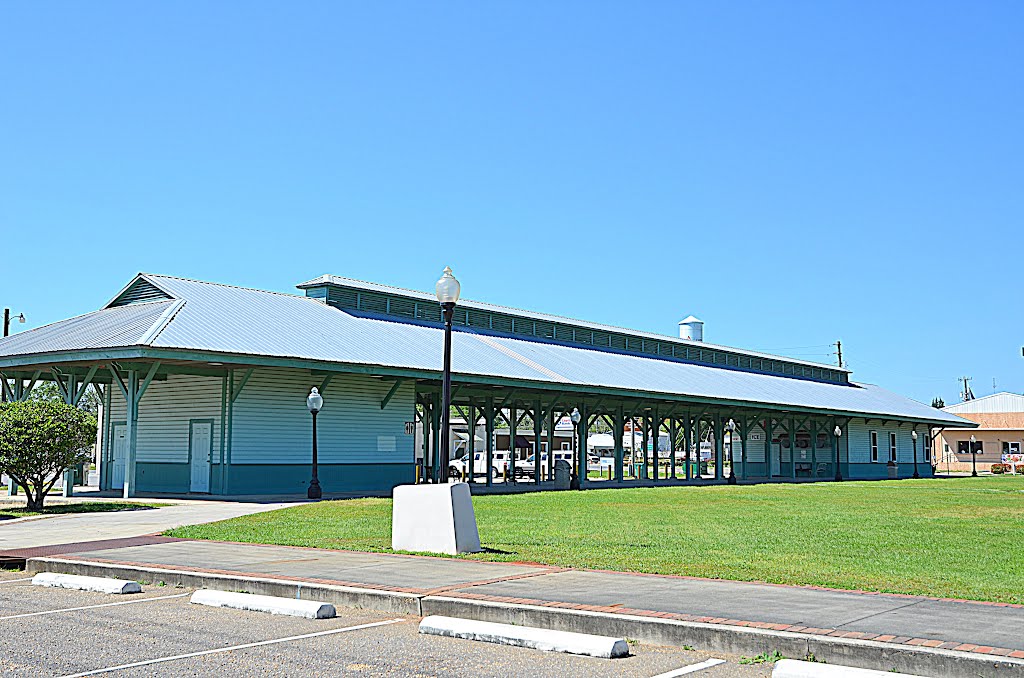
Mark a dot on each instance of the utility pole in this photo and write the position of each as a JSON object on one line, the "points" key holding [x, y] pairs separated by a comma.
{"points": [[839, 352], [966, 394]]}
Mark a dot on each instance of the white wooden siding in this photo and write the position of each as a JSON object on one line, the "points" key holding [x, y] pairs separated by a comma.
{"points": [[164, 414], [272, 425]]}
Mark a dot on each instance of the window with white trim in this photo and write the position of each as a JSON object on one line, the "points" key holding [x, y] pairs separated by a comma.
{"points": [[874, 446], [892, 447], [1011, 447], [927, 447]]}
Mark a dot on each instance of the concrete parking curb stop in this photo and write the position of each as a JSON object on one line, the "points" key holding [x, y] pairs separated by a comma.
{"points": [[791, 668], [310, 609], [98, 584], [912, 659], [587, 644]]}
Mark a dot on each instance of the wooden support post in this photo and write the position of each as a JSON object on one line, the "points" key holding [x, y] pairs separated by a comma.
{"points": [[672, 443], [489, 427], [584, 425], [618, 431], [131, 434], [813, 428], [719, 445], [687, 457], [551, 443], [645, 434], [510, 462], [538, 429], [656, 434], [792, 447], [471, 443], [743, 448]]}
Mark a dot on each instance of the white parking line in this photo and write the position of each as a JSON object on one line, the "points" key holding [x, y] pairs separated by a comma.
{"points": [[202, 653], [90, 607], [692, 668], [11, 581]]}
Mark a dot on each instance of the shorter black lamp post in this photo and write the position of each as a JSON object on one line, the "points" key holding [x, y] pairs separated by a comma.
{"points": [[315, 401], [574, 478], [974, 457], [731, 428], [838, 432], [913, 436]]}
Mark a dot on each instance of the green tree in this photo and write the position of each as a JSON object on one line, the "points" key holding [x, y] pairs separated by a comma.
{"points": [[938, 403], [48, 391], [39, 439]]}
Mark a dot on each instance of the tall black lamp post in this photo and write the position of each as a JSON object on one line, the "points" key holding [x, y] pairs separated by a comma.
{"points": [[447, 289], [574, 477], [315, 401], [838, 432], [974, 457], [731, 428], [913, 436]]}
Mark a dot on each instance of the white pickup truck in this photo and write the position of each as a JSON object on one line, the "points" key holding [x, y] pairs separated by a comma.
{"points": [[458, 468]]}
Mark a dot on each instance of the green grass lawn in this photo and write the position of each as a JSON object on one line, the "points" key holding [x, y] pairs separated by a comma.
{"points": [[6, 513], [960, 538]]}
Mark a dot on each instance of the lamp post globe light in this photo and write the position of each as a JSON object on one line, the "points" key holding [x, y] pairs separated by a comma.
{"points": [[913, 436], [731, 428], [314, 402], [447, 290], [574, 478], [974, 457], [838, 432]]}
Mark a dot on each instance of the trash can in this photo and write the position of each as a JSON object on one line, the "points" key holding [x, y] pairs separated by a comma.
{"points": [[563, 474], [893, 471]]}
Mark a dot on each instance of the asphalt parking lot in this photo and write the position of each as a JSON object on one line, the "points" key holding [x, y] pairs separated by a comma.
{"points": [[59, 632]]}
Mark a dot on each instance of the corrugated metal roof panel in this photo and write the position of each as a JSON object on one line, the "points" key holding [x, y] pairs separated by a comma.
{"points": [[224, 319], [997, 402], [107, 328]]}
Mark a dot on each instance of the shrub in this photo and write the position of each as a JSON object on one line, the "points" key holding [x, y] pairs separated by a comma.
{"points": [[39, 440], [1000, 468]]}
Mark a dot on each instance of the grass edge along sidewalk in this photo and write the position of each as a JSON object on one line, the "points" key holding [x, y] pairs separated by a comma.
{"points": [[11, 512], [909, 537]]}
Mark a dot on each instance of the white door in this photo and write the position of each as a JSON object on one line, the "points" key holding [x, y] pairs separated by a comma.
{"points": [[120, 456], [200, 447], [776, 459]]}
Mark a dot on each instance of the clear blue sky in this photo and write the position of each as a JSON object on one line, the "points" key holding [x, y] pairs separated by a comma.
{"points": [[793, 173]]}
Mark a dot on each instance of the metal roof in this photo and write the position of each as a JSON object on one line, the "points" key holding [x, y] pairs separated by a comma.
{"points": [[533, 315], [995, 403], [220, 319]]}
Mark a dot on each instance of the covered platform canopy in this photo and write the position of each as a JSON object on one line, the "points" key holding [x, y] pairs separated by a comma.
{"points": [[160, 325]]}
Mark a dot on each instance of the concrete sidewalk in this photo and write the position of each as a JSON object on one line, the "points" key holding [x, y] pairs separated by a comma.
{"points": [[71, 528], [723, 615]]}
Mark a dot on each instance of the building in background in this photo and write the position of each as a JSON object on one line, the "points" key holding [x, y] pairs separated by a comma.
{"points": [[1000, 431]]}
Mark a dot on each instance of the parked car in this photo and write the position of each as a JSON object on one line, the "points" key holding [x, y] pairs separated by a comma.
{"points": [[458, 468], [527, 467]]}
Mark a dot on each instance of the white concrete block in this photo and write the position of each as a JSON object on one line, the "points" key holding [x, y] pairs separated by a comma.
{"points": [[434, 518], [310, 609], [525, 636], [791, 668], [97, 584]]}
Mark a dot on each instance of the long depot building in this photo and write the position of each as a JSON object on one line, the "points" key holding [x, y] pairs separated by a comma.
{"points": [[204, 390]]}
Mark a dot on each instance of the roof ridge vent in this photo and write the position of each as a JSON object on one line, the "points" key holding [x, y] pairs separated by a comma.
{"points": [[138, 291]]}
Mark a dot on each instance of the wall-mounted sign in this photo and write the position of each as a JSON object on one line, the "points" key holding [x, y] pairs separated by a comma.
{"points": [[410, 428]]}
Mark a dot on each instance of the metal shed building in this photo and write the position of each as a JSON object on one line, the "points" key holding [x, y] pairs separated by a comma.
{"points": [[204, 390]]}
